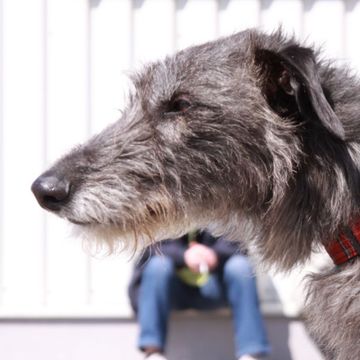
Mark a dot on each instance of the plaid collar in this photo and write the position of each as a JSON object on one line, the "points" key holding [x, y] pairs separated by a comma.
{"points": [[346, 246]]}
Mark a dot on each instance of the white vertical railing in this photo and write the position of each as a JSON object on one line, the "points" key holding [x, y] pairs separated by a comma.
{"points": [[196, 22], [331, 27], [352, 28], [152, 38], [285, 13], [238, 15], [111, 59], [67, 124], [63, 76], [1, 152], [22, 152]]}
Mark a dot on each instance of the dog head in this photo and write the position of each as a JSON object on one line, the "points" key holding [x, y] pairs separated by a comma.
{"points": [[212, 134]]}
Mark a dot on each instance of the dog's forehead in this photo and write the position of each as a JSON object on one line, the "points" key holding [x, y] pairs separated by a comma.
{"points": [[157, 79], [210, 64]]}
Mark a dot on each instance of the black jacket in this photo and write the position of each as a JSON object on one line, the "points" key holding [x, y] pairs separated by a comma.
{"points": [[175, 249]]}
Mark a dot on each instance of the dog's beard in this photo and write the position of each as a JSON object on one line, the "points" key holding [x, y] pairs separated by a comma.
{"points": [[134, 236], [111, 224]]}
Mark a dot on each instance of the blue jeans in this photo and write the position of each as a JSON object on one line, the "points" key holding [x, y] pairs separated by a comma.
{"points": [[234, 286]]}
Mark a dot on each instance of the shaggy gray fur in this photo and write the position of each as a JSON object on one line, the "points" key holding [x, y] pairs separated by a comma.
{"points": [[249, 132]]}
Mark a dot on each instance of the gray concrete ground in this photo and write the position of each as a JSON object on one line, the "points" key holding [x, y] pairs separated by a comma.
{"points": [[199, 337]]}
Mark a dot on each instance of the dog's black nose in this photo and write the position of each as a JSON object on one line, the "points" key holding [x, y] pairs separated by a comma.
{"points": [[51, 191]]}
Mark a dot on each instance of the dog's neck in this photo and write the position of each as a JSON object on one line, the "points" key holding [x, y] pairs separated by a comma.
{"points": [[346, 245]]}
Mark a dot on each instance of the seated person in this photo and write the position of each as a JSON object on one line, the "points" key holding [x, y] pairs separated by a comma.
{"points": [[196, 271]]}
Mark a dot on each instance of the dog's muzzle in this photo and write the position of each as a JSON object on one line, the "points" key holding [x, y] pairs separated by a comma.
{"points": [[52, 192]]}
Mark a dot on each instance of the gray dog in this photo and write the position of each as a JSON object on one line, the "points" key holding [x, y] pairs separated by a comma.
{"points": [[249, 133]]}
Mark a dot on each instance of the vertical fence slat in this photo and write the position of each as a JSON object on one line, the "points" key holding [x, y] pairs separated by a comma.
{"points": [[23, 80], [67, 111], [287, 13], [110, 59], [196, 22], [237, 15], [1, 153], [329, 32], [152, 39], [352, 31], [111, 53]]}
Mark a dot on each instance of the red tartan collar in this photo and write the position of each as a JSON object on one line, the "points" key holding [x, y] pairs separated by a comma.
{"points": [[346, 246]]}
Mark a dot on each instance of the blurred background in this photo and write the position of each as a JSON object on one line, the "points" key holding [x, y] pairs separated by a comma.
{"points": [[63, 76]]}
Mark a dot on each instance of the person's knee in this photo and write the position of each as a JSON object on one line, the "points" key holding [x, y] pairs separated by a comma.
{"points": [[159, 267], [238, 267]]}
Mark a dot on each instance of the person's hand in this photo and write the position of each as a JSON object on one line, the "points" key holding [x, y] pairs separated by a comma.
{"points": [[193, 259], [197, 255]]}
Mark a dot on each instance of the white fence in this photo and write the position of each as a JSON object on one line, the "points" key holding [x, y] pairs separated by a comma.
{"points": [[63, 70]]}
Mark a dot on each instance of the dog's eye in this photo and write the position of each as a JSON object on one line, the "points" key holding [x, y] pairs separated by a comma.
{"points": [[179, 105]]}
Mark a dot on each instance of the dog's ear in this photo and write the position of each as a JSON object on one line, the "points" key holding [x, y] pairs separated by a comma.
{"points": [[291, 84]]}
